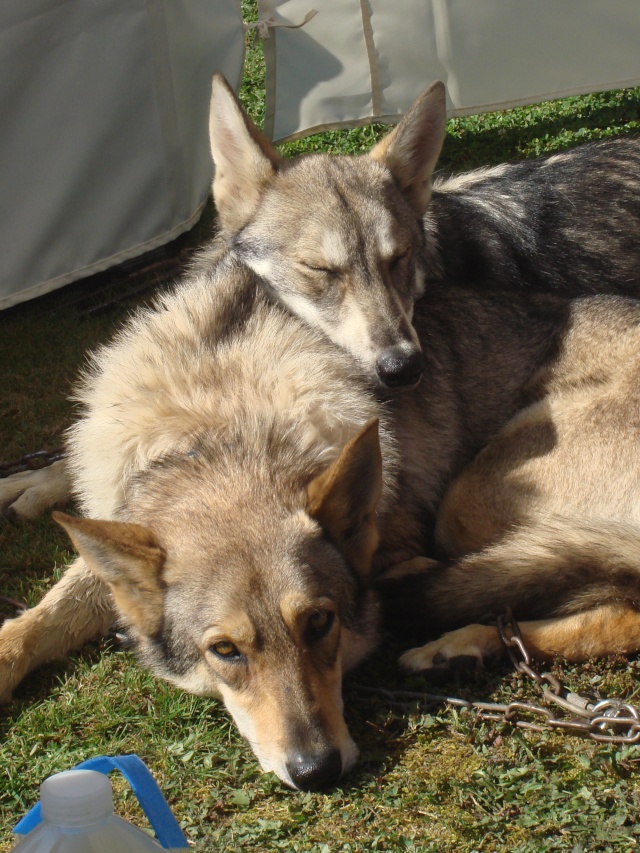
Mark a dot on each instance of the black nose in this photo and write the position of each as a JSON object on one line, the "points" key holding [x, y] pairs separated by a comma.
{"points": [[399, 367], [312, 772]]}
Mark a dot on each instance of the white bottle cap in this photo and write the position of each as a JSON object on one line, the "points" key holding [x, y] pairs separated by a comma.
{"points": [[76, 798]]}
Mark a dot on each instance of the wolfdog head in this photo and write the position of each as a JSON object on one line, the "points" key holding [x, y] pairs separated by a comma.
{"points": [[252, 588], [337, 239]]}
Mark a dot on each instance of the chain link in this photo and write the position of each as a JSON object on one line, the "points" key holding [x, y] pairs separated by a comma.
{"points": [[609, 720], [606, 720]]}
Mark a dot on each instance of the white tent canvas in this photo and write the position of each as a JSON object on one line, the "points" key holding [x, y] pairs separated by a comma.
{"points": [[103, 137], [356, 61]]}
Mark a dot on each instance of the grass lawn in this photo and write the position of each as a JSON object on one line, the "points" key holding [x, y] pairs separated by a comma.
{"points": [[429, 779]]}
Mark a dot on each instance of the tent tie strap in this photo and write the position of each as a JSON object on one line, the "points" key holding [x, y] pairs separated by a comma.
{"points": [[263, 25]]}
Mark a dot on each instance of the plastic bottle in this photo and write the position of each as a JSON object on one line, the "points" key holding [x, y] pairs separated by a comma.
{"points": [[77, 817], [75, 812]]}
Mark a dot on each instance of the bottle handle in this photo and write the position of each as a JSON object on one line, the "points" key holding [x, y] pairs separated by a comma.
{"points": [[145, 788]]}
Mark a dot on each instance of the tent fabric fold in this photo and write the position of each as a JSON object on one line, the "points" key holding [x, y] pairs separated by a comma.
{"points": [[358, 61], [104, 149]]}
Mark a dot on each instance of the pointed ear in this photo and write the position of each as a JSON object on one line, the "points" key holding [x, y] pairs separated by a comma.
{"points": [[128, 559], [412, 148], [344, 498], [245, 161]]}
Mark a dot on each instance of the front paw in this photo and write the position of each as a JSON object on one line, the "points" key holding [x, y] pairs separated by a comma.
{"points": [[7, 682], [13, 655], [28, 495], [464, 649]]}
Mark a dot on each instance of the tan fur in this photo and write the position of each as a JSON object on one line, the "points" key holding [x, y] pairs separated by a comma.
{"points": [[345, 497], [555, 457], [288, 702], [563, 476], [25, 496], [238, 472], [606, 630], [252, 160], [412, 156], [354, 277], [76, 610], [128, 558]]}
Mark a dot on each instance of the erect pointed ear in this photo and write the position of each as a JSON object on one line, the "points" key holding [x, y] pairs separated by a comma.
{"points": [[245, 161], [412, 148], [128, 559], [345, 496]]}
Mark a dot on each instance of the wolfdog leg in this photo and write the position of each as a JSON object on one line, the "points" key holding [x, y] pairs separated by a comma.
{"points": [[605, 630], [31, 493], [77, 609]]}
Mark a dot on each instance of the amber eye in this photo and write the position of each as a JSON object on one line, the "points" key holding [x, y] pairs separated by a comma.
{"points": [[225, 650], [319, 623]]}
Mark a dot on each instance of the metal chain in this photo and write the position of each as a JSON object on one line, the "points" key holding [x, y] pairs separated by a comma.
{"points": [[609, 720], [31, 462]]}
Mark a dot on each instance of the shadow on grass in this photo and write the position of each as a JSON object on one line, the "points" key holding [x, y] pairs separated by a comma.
{"points": [[380, 721], [471, 146], [43, 683]]}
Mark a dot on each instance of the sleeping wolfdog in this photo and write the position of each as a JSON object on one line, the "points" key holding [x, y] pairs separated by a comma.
{"points": [[568, 223]]}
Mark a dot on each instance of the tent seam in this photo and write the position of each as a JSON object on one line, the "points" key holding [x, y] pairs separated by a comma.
{"points": [[372, 55]]}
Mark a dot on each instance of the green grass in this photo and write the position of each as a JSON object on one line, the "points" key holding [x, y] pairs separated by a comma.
{"points": [[428, 779]]}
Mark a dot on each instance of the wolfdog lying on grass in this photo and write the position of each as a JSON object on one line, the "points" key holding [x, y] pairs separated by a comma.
{"points": [[245, 493]]}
